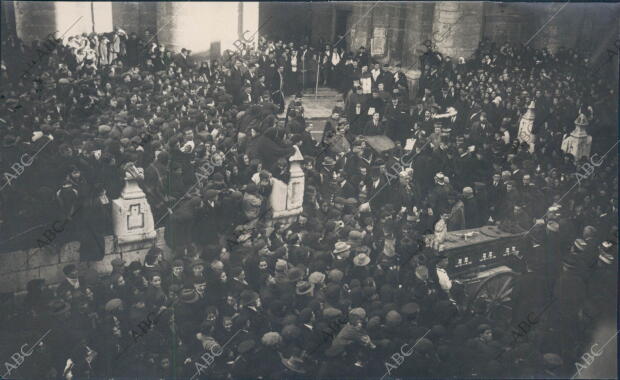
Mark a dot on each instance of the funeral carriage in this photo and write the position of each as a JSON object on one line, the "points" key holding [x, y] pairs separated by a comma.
{"points": [[483, 263]]}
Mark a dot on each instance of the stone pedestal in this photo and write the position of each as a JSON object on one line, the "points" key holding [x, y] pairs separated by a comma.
{"points": [[286, 200], [578, 143], [525, 127], [131, 213]]}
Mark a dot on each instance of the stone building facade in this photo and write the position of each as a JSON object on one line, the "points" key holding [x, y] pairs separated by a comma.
{"points": [[394, 31]]}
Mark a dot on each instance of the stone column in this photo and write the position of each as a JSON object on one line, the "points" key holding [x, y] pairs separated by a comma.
{"points": [[360, 27], [7, 23], [395, 34], [504, 22], [126, 15], [135, 17], [195, 26], [413, 37], [555, 24], [379, 24], [457, 28], [35, 20]]}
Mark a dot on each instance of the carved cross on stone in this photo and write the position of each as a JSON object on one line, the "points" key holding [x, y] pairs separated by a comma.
{"points": [[135, 218]]}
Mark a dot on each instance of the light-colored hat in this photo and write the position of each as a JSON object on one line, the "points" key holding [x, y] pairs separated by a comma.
{"points": [[357, 312], [439, 178], [316, 278], [271, 339], [355, 236], [361, 260], [304, 287], [281, 265], [341, 247], [113, 304], [580, 244], [335, 275]]}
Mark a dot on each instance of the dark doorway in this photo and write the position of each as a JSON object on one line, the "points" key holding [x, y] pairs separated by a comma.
{"points": [[341, 28], [285, 21]]}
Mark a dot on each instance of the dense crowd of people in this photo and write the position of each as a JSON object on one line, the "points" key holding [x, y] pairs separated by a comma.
{"points": [[349, 283]]}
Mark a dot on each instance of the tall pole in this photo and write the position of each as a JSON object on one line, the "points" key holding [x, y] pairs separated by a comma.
{"points": [[92, 15], [303, 71], [240, 19], [318, 68]]}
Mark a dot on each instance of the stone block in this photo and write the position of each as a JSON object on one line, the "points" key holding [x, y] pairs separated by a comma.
{"points": [[451, 18], [129, 247], [38, 257], [137, 255], [449, 6], [22, 278], [70, 252], [159, 239], [13, 261], [109, 244], [105, 265], [8, 283], [52, 274]]}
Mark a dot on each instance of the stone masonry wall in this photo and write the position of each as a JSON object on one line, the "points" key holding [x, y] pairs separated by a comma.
{"points": [[19, 267]]}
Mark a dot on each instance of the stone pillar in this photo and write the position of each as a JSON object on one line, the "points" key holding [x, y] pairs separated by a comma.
{"points": [[396, 31], [457, 28], [135, 17], [504, 22], [126, 15], [286, 200], [7, 22], [360, 27], [380, 23], [413, 37], [73, 18], [525, 127], [195, 26], [578, 143], [35, 20], [555, 25], [131, 213]]}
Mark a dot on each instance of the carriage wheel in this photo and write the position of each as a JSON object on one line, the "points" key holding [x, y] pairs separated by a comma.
{"points": [[494, 296]]}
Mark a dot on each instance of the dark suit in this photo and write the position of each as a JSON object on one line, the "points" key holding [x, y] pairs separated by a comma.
{"points": [[181, 61], [258, 89], [236, 83], [207, 225], [371, 129], [377, 194], [247, 98], [401, 80], [65, 286], [455, 123], [376, 79], [398, 122], [363, 58], [346, 190]]}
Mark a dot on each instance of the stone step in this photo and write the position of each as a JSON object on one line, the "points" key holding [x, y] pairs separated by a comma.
{"points": [[322, 92]]}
